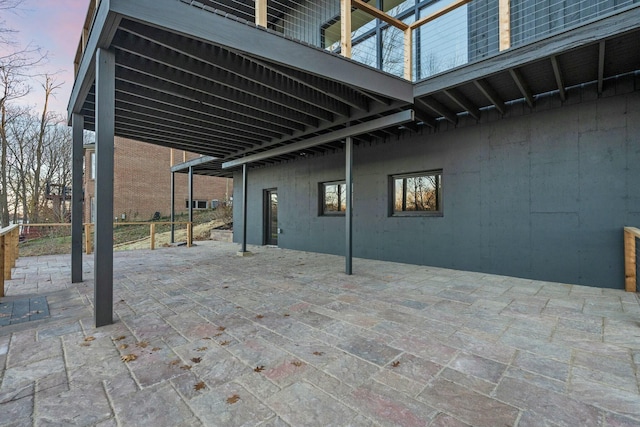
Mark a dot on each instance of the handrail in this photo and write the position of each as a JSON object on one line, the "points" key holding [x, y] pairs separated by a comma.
{"points": [[630, 272], [9, 238]]}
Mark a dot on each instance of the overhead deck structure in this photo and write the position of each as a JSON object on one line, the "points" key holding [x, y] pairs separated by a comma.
{"points": [[195, 76]]}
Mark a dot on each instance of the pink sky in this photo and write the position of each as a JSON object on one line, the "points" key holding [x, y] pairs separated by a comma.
{"points": [[54, 26]]}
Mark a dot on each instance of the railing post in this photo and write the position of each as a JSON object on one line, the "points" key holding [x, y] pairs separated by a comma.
{"points": [[152, 233], [189, 234], [16, 244], [87, 238], [6, 248], [345, 28], [2, 262], [261, 13], [504, 19], [408, 54], [630, 258]]}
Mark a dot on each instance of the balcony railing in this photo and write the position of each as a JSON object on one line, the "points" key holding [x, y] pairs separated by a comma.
{"points": [[410, 38]]}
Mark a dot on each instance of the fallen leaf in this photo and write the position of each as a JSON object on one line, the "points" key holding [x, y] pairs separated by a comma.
{"points": [[201, 349], [123, 346], [225, 342], [120, 338], [259, 316], [85, 344], [196, 359], [219, 334], [185, 367], [224, 287], [156, 349], [395, 364], [143, 344], [206, 338], [90, 339], [287, 315], [259, 368], [297, 363], [233, 399], [318, 353], [121, 300], [221, 328], [199, 386], [174, 362], [129, 357]]}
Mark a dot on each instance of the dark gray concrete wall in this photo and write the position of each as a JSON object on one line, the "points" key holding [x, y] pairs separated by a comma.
{"points": [[543, 195]]}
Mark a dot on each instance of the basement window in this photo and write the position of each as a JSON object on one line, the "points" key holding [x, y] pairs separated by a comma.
{"points": [[333, 198], [197, 204], [416, 194]]}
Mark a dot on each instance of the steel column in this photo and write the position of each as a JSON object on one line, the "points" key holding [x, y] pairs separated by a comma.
{"points": [[244, 208], [105, 130], [349, 199], [173, 207], [77, 122], [190, 193]]}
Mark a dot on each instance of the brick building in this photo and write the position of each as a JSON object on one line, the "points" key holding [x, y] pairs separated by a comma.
{"points": [[142, 182]]}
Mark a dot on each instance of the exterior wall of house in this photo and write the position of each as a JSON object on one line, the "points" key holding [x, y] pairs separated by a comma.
{"points": [[142, 182], [540, 194]]}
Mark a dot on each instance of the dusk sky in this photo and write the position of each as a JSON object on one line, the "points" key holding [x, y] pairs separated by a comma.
{"points": [[54, 26]]}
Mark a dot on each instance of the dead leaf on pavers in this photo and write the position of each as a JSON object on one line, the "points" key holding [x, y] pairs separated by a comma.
{"points": [[196, 359], [297, 363], [233, 399], [318, 353], [156, 349], [87, 339], [185, 367], [225, 343], [221, 328], [85, 344], [225, 287], [143, 344], [207, 338], [129, 357], [258, 368], [124, 346], [201, 348], [287, 315], [174, 362], [219, 334], [120, 338], [395, 364], [259, 316], [199, 386]]}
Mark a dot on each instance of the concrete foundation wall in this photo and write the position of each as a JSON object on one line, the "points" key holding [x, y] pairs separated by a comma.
{"points": [[541, 195]]}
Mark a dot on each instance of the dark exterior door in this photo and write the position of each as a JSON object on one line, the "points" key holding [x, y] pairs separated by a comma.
{"points": [[271, 217]]}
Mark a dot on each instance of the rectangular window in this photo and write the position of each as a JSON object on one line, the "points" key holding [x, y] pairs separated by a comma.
{"points": [[333, 198], [93, 164], [417, 193], [197, 204]]}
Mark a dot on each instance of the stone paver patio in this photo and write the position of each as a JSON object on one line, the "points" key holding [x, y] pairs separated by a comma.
{"points": [[284, 338]]}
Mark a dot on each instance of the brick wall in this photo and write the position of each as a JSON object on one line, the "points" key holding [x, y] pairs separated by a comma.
{"points": [[142, 181]]}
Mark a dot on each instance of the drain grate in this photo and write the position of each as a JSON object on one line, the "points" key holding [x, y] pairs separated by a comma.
{"points": [[23, 310]]}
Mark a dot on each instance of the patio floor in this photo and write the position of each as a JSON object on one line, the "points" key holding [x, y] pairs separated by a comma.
{"points": [[204, 337]]}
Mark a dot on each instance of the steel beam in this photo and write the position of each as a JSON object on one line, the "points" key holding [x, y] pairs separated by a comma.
{"points": [[77, 121], [349, 208], [366, 127], [105, 127]]}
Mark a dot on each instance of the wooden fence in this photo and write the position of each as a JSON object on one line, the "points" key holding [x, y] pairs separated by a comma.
{"points": [[10, 238]]}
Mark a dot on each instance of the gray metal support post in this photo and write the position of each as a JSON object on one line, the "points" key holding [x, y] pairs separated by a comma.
{"points": [[105, 130], [77, 123], [173, 207], [190, 193], [349, 199], [244, 208]]}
